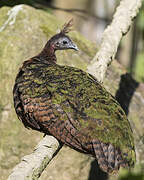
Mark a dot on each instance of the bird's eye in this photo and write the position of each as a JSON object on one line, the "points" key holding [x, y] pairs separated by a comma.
{"points": [[57, 43], [65, 42]]}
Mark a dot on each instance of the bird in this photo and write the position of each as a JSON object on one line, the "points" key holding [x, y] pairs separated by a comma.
{"points": [[73, 106]]}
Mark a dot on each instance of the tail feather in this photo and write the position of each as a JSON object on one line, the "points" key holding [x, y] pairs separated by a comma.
{"points": [[100, 155], [109, 158], [105, 150]]}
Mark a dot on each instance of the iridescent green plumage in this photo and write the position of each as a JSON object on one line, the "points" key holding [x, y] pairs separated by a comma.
{"points": [[96, 114]]}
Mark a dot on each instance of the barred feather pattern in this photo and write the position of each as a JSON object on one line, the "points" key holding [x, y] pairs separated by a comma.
{"points": [[73, 107]]}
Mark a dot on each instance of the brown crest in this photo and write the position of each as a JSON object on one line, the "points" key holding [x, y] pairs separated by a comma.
{"points": [[67, 27]]}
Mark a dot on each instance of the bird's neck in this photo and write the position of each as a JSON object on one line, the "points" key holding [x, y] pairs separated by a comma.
{"points": [[48, 55]]}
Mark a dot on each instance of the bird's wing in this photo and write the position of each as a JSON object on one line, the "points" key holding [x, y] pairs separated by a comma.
{"points": [[100, 124]]}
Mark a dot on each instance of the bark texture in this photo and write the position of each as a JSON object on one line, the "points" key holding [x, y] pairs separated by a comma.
{"points": [[31, 166]]}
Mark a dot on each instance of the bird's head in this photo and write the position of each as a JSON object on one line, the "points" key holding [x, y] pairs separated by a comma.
{"points": [[61, 41]]}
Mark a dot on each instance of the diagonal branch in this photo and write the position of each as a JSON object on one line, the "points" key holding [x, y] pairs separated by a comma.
{"points": [[122, 20], [32, 166]]}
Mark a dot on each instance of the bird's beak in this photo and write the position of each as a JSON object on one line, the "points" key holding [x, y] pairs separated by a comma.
{"points": [[73, 46]]}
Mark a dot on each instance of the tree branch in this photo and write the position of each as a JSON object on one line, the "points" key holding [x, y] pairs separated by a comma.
{"points": [[32, 166], [122, 20]]}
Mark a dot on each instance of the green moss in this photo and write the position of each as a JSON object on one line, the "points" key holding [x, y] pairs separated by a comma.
{"points": [[47, 31], [134, 174], [85, 45], [3, 15]]}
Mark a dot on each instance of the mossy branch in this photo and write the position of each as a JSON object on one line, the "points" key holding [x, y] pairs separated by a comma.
{"points": [[122, 20], [32, 166]]}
